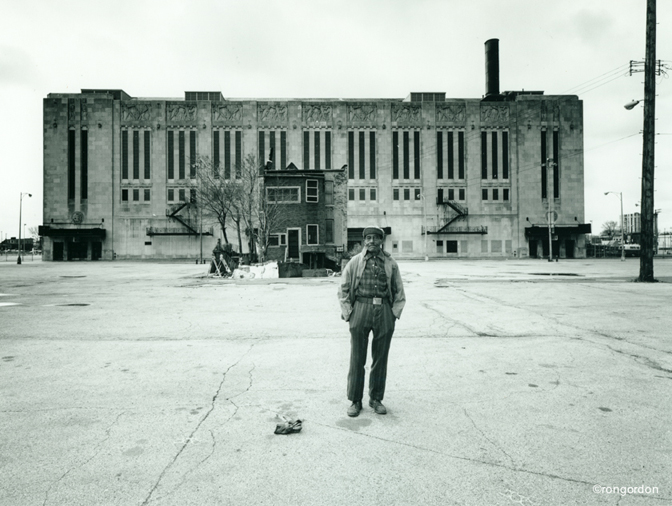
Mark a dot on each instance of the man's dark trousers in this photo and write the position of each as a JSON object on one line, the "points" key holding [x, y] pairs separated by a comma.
{"points": [[367, 317]]}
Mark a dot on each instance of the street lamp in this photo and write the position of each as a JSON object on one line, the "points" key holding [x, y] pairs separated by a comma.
{"points": [[18, 259], [620, 196], [631, 105]]}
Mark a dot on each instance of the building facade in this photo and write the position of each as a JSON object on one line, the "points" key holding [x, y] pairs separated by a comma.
{"points": [[491, 177]]}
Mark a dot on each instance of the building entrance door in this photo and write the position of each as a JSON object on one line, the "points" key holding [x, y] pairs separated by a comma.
{"points": [[293, 240], [533, 248], [58, 251], [569, 248]]}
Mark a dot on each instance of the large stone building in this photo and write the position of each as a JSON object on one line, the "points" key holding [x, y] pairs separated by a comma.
{"points": [[447, 177]]}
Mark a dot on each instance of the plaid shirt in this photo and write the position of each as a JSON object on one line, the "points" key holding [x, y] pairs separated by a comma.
{"points": [[374, 280]]}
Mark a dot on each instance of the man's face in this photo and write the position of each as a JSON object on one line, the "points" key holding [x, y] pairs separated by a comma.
{"points": [[373, 242]]}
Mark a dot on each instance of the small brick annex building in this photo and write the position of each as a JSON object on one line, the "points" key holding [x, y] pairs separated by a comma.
{"points": [[446, 177]]}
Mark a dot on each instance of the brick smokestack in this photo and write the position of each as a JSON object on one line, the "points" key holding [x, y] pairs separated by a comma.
{"points": [[491, 67]]}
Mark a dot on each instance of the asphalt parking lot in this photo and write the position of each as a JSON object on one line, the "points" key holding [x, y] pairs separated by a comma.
{"points": [[510, 382]]}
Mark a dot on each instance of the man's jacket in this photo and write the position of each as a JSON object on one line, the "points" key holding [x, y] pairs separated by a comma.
{"points": [[352, 275]]}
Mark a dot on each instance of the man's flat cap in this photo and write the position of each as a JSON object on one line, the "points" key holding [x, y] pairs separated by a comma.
{"points": [[373, 230]]}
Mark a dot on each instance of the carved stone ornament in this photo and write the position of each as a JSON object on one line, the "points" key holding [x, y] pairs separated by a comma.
{"points": [[227, 113], [451, 113], [84, 112], [494, 114], [406, 114], [131, 111], [181, 112], [72, 115], [362, 114], [272, 113], [77, 217], [316, 114]]}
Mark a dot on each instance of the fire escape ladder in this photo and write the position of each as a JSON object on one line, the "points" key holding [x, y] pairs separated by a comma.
{"points": [[459, 209], [177, 217]]}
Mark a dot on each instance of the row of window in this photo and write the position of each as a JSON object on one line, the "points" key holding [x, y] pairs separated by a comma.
{"points": [[133, 155], [135, 193], [312, 235], [227, 150], [494, 194], [492, 246], [361, 193]]}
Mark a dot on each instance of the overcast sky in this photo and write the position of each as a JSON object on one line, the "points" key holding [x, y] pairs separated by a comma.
{"points": [[338, 49]]}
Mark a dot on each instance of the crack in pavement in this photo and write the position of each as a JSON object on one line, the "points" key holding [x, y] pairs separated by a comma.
{"points": [[99, 448], [645, 361], [486, 437], [198, 426], [477, 461]]}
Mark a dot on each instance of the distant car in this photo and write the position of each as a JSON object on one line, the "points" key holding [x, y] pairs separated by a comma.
{"points": [[631, 250]]}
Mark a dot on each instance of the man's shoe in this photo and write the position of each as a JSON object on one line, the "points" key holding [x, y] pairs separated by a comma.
{"points": [[355, 408], [378, 407]]}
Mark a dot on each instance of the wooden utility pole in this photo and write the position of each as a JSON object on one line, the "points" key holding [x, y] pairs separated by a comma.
{"points": [[648, 167]]}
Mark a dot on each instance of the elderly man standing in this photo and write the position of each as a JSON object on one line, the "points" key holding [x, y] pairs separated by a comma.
{"points": [[372, 298]]}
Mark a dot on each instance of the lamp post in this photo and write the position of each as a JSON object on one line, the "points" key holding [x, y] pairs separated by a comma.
{"points": [[620, 196], [18, 258]]}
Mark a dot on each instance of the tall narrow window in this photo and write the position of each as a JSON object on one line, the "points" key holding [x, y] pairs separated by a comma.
{"points": [[505, 194], [312, 190], [460, 155], [262, 147], [351, 155], [439, 154], [136, 154], [239, 152], [329, 193], [71, 164], [171, 156], [362, 194], [215, 152], [227, 155], [416, 155], [327, 150], [283, 149], [306, 150], [312, 236], [407, 170], [451, 193], [495, 167], [451, 157], [317, 151], [148, 155], [484, 194], [84, 165], [192, 154], [462, 194], [362, 158], [505, 155], [556, 168], [544, 181], [372, 155], [484, 156], [124, 155], [271, 149], [147, 195], [439, 196], [395, 155], [180, 156], [329, 231]]}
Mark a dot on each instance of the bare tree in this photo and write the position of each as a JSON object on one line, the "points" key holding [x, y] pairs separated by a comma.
{"points": [[610, 229], [216, 195], [259, 214], [241, 200]]}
